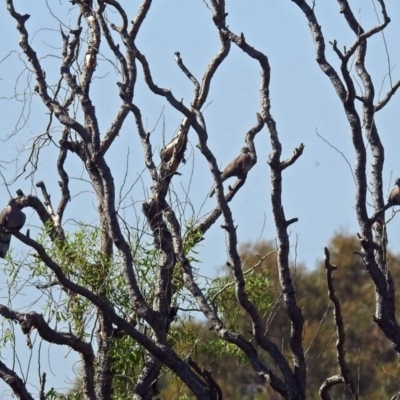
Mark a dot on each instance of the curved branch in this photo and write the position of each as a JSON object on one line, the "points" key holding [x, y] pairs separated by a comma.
{"points": [[59, 111], [161, 351], [341, 352], [387, 97], [328, 383], [32, 320], [192, 78], [15, 382], [65, 193], [208, 221], [319, 43]]}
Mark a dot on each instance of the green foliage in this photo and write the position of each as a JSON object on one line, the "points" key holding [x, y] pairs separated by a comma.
{"points": [[222, 292], [218, 348], [81, 259], [7, 335], [52, 394], [210, 351], [191, 240], [127, 358], [364, 341]]}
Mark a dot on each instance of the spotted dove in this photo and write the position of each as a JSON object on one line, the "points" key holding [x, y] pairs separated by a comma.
{"points": [[394, 197], [239, 167], [11, 217]]}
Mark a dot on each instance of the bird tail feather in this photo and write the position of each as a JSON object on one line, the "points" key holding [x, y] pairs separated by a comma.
{"points": [[4, 244]]}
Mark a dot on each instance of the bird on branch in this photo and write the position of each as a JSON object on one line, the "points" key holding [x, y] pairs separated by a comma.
{"points": [[394, 200], [394, 197], [239, 167], [11, 217], [173, 152]]}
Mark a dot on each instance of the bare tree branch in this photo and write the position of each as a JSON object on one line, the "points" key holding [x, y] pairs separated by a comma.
{"points": [[32, 320], [15, 382], [341, 352]]}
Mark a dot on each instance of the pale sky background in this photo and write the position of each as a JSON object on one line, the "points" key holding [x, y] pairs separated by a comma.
{"points": [[318, 189]]}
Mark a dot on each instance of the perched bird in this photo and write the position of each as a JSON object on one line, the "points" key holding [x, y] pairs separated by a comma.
{"points": [[239, 167], [394, 197], [168, 151], [85, 6], [393, 200], [173, 152], [10, 218]]}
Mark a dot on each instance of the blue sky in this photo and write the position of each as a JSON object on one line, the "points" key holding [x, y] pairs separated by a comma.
{"points": [[318, 189]]}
